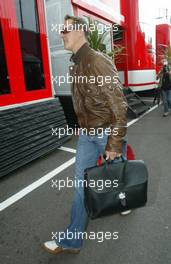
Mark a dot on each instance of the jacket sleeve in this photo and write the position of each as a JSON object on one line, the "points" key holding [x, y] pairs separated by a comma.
{"points": [[113, 93]]}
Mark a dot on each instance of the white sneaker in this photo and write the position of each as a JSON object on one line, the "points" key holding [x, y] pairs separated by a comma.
{"points": [[166, 114], [52, 247], [126, 212]]}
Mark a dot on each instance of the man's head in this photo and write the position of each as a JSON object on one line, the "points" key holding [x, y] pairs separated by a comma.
{"points": [[75, 32], [165, 68]]}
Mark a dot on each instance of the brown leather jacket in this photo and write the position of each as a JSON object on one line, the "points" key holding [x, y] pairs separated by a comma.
{"points": [[98, 103]]}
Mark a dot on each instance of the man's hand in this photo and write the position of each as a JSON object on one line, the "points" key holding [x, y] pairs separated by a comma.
{"points": [[112, 155]]}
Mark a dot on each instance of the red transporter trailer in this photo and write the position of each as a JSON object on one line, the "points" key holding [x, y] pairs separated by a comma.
{"points": [[137, 64], [28, 109], [163, 40]]}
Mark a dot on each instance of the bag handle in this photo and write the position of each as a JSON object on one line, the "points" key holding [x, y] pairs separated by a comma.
{"points": [[108, 162], [111, 161]]}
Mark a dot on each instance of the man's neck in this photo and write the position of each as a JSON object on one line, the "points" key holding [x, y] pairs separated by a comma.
{"points": [[78, 46]]}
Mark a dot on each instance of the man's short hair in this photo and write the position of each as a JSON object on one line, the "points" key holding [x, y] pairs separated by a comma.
{"points": [[80, 23]]}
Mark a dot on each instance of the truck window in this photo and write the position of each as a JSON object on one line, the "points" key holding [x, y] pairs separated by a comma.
{"points": [[4, 79], [30, 44], [117, 34]]}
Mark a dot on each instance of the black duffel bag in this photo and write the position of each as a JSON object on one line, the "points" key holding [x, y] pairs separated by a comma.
{"points": [[115, 187]]}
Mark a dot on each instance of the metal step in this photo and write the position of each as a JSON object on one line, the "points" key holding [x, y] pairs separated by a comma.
{"points": [[136, 106]]}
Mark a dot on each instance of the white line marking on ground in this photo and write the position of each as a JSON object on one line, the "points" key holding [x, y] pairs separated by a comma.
{"points": [[68, 149], [138, 118], [14, 198]]}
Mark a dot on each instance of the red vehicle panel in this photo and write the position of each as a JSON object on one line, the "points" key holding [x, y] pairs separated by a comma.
{"points": [[22, 56], [163, 40], [110, 10], [137, 64]]}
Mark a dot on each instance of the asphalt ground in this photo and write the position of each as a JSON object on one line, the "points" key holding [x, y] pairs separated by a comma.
{"points": [[144, 235]]}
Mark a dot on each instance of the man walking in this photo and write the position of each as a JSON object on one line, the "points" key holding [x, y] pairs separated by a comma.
{"points": [[100, 106], [165, 83]]}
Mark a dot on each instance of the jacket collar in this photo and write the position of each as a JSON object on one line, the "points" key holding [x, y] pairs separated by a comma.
{"points": [[76, 57]]}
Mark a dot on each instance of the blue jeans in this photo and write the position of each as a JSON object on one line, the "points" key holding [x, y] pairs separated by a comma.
{"points": [[88, 150], [166, 100]]}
